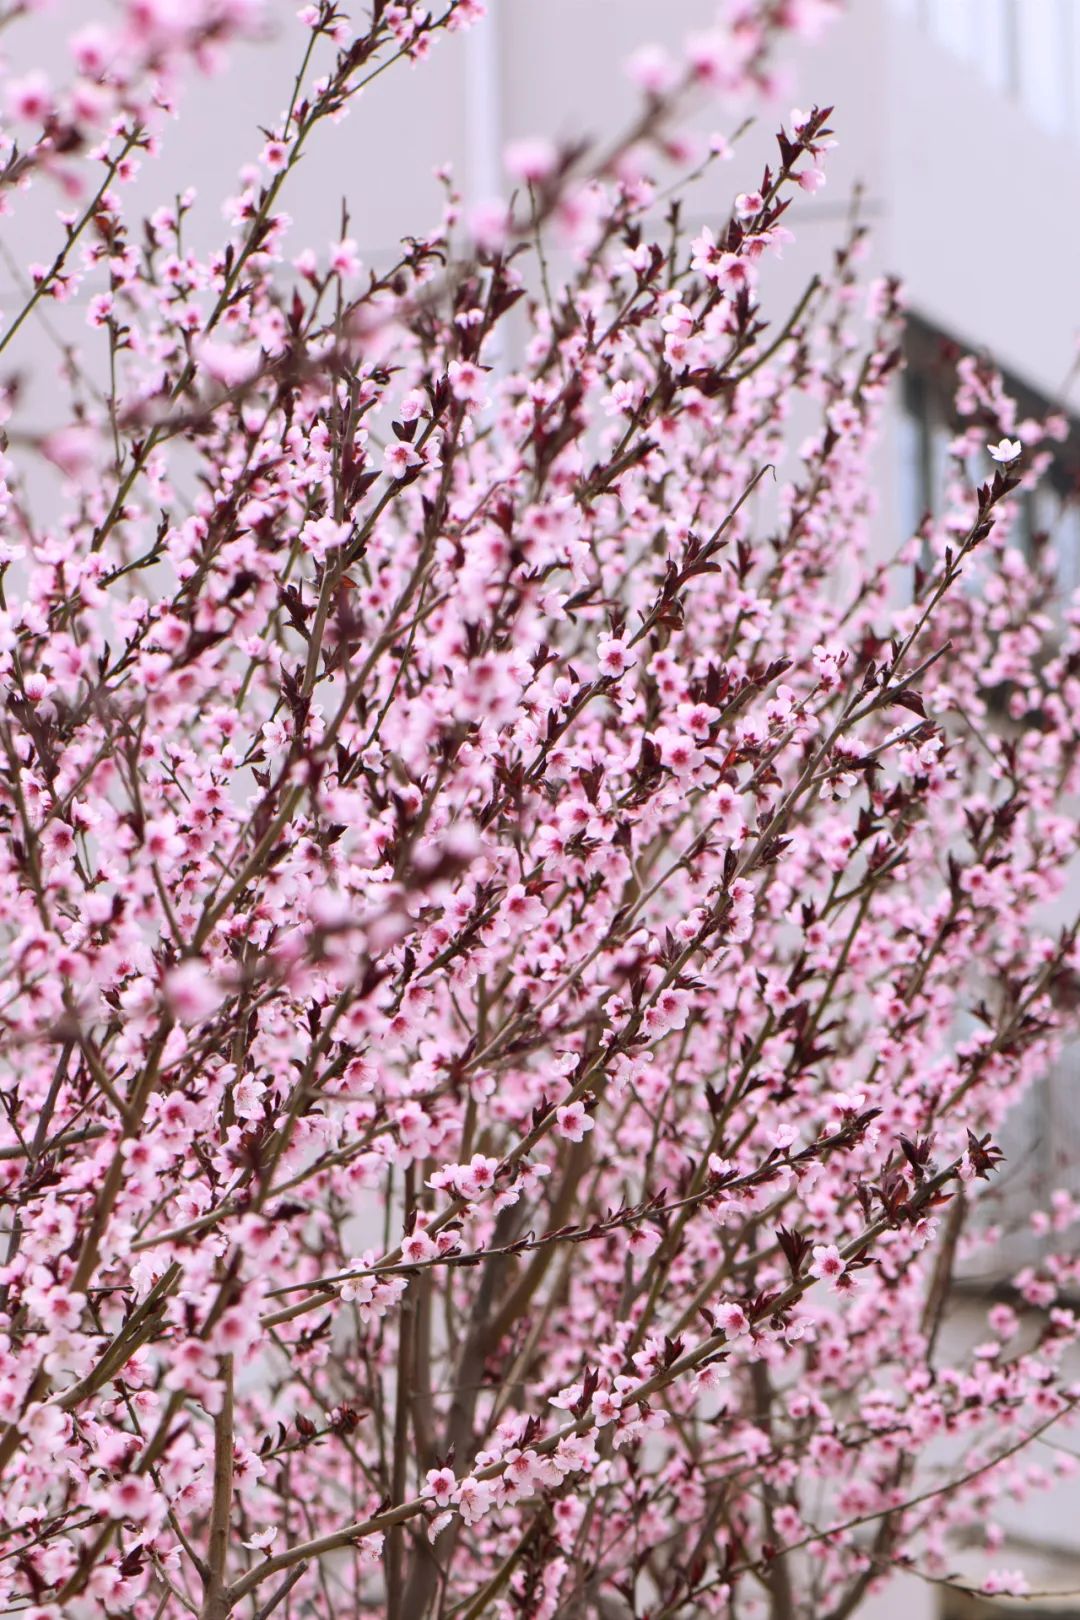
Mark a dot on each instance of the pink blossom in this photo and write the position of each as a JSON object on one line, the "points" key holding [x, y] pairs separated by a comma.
{"points": [[466, 382], [192, 992], [827, 1263], [417, 1247], [29, 98], [472, 1498], [605, 1407], [399, 458], [441, 1485], [344, 259], [322, 535], [130, 1499], [732, 1320], [573, 1122], [489, 224], [614, 657], [651, 69], [532, 159], [1009, 1581]]}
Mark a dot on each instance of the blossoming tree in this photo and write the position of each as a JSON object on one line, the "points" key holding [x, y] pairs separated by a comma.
{"points": [[520, 925]]}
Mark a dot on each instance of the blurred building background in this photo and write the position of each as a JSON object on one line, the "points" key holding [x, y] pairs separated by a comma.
{"points": [[960, 120]]}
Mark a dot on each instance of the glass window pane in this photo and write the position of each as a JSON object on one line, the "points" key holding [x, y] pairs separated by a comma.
{"points": [[914, 489], [992, 43], [1067, 548], [1072, 64], [912, 502], [1061, 1122], [1026, 525], [956, 24], [941, 465], [1042, 62]]}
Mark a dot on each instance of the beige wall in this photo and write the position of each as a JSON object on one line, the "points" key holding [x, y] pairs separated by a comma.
{"points": [[991, 259]]}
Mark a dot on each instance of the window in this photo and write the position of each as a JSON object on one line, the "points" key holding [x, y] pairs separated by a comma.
{"points": [[1029, 49], [914, 477], [994, 46], [1041, 1141], [925, 433], [1049, 515], [1042, 80], [956, 24]]}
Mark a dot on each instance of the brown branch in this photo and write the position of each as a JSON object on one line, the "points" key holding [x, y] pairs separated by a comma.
{"points": [[217, 1602]]}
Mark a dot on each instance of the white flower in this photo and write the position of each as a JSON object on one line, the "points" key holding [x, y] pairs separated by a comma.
{"points": [[1005, 450], [263, 1539], [438, 1524]]}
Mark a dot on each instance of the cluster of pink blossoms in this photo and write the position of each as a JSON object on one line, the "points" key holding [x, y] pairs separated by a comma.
{"points": [[107, 100], [520, 927]]}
